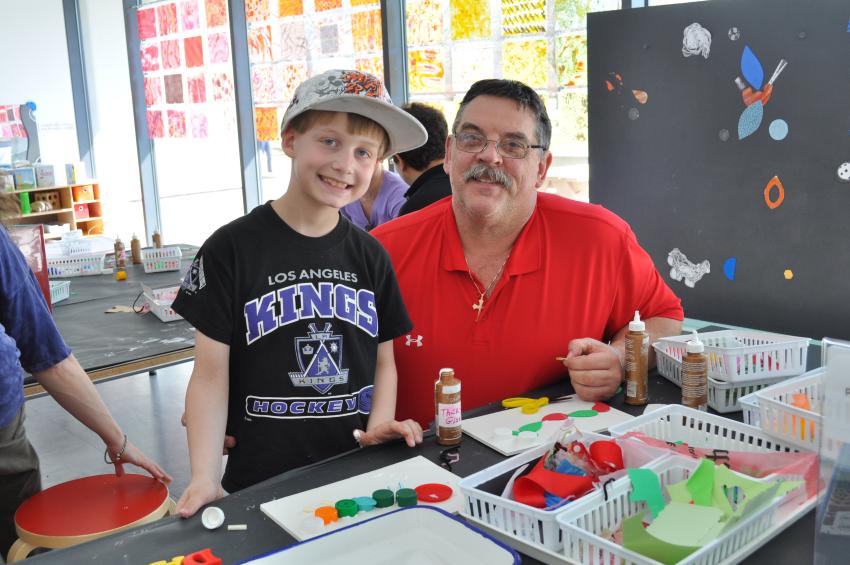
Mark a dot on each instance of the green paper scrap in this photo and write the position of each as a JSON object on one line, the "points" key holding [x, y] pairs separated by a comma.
{"points": [[583, 414], [637, 539], [701, 483], [678, 492], [531, 427], [646, 487], [687, 524]]}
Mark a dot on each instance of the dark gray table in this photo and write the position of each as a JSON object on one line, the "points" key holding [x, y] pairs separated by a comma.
{"points": [[173, 536], [111, 345]]}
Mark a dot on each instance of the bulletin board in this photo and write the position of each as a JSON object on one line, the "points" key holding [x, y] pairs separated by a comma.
{"points": [[739, 192]]}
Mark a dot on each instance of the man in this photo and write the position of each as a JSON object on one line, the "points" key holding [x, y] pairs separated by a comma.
{"points": [[500, 279], [422, 168]]}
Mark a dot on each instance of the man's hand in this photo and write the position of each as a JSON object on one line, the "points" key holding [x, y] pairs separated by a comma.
{"points": [[198, 493], [229, 441], [596, 369], [410, 430]]}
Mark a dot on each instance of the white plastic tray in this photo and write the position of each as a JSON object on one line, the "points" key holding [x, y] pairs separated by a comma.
{"points": [[780, 419], [290, 512], [418, 535]]}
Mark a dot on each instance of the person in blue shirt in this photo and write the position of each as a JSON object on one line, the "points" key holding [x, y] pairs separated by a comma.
{"points": [[29, 340]]}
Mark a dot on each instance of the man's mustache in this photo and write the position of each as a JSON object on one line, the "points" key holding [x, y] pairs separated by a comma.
{"points": [[483, 173]]}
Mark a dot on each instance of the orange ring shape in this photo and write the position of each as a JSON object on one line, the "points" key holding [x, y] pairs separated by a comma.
{"points": [[773, 204]]}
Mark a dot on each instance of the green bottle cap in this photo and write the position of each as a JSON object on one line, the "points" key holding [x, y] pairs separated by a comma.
{"points": [[406, 497], [346, 507], [384, 498]]}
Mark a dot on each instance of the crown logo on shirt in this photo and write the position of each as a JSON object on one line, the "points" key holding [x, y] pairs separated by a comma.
{"points": [[307, 349]]}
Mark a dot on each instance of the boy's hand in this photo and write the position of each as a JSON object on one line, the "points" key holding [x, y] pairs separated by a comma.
{"points": [[410, 430], [596, 369], [198, 493]]}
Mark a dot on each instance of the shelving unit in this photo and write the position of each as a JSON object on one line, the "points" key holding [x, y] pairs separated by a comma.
{"points": [[70, 198]]}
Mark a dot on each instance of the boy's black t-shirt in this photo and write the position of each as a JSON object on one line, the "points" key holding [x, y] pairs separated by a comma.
{"points": [[303, 317]]}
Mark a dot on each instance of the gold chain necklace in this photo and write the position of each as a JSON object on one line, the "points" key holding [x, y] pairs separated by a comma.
{"points": [[479, 305]]}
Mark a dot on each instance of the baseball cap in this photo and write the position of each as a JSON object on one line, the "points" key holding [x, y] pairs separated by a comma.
{"points": [[360, 93]]}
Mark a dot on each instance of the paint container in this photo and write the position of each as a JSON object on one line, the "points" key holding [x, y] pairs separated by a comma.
{"points": [[637, 361], [212, 518], [447, 404], [695, 376]]}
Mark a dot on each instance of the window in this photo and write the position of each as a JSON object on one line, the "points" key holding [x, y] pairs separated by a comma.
{"points": [[543, 43]]}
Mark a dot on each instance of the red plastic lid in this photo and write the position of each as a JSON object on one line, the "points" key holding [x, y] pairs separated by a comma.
{"points": [[433, 492]]}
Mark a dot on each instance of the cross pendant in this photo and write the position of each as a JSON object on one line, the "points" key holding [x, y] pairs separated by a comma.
{"points": [[478, 306]]}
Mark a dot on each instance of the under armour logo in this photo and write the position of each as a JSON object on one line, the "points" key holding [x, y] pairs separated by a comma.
{"points": [[409, 340]]}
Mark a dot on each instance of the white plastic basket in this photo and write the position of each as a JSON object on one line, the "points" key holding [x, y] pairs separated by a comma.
{"points": [[59, 290], [675, 422], [723, 396], [741, 356], [532, 525], [158, 260], [76, 265], [586, 519], [750, 406], [159, 301], [780, 419]]}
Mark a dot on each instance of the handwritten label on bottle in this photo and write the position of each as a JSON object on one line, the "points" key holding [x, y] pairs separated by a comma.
{"points": [[448, 415]]}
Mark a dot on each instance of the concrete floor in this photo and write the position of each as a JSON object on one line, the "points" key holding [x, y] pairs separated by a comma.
{"points": [[147, 407]]}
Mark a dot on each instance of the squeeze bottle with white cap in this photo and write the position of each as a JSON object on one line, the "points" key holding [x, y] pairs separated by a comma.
{"points": [[447, 405], [637, 361], [695, 376]]}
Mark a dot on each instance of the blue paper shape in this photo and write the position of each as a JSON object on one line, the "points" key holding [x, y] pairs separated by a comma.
{"points": [[729, 268], [752, 69], [567, 468], [778, 130], [750, 119]]}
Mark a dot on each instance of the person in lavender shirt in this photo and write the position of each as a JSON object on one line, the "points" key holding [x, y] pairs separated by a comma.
{"points": [[381, 202]]}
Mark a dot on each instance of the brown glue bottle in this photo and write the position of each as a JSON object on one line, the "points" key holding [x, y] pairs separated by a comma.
{"points": [[695, 376], [157, 239], [637, 361], [447, 408], [136, 250]]}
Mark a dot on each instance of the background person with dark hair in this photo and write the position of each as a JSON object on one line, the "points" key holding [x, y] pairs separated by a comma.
{"points": [[422, 168]]}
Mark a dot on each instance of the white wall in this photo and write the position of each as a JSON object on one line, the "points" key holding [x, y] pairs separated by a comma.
{"points": [[111, 112], [35, 67]]}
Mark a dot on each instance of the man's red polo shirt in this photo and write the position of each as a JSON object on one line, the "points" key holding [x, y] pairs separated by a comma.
{"points": [[576, 270]]}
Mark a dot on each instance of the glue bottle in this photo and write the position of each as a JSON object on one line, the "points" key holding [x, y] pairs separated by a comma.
{"points": [[637, 360], [695, 376], [120, 260], [447, 405], [136, 250], [157, 239]]}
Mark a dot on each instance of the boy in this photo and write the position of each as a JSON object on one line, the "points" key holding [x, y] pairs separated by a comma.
{"points": [[295, 309]]}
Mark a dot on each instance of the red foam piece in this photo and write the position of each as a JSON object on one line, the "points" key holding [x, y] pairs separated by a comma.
{"points": [[606, 455], [529, 489], [433, 492], [555, 416], [202, 557], [91, 505], [601, 407]]}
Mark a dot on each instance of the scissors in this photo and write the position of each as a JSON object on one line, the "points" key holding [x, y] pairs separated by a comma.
{"points": [[528, 405]]}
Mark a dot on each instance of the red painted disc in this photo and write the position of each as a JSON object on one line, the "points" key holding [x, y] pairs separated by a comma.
{"points": [[601, 407], [91, 505], [433, 492], [554, 416]]}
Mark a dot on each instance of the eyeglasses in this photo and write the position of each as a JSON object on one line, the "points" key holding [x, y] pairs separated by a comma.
{"points": [[511, 148]]}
